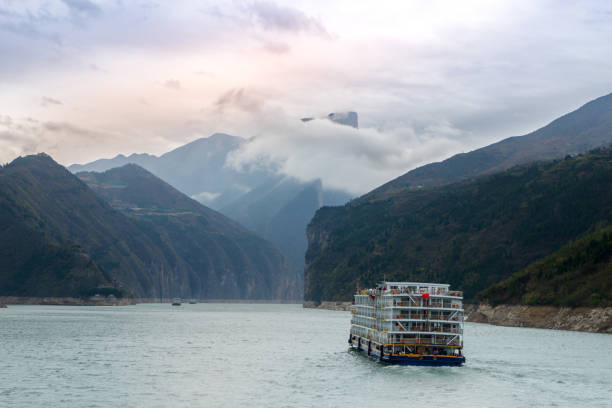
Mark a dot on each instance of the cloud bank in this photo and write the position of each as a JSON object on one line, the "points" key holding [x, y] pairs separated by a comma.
{"points": [[428, 78], [345, 158]]}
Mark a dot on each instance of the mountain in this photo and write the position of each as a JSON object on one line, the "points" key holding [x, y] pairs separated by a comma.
{"points": [[220, 256], [345, 118], [279, 211], [584, 129], [60, 239], [578, 274], [143, 160], [197, 169], [470, 234], [273, 206], [342, 118]]}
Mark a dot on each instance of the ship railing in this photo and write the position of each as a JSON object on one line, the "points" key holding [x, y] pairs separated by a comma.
{"points": [[418, 341], [454, 339], [404, 330], [421, 291], [418, 295], [425, 304], [402, 326], [404, 305], [454, 320], [420, 344]]}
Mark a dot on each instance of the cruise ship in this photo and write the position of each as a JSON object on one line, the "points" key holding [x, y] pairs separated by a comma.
{"points": [[409, 323]]}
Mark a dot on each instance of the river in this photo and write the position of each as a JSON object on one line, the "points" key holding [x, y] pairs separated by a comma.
{"points": [[270, 355]]}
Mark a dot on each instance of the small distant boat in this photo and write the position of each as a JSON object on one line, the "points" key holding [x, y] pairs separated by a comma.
{"points": [[176, 302], [192, 302], [2, 306]]}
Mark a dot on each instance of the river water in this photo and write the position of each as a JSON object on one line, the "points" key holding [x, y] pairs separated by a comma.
{"points": [[258, 355]]}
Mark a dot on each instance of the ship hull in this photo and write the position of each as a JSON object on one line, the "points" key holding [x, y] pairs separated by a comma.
{"points": [[412, 360]]}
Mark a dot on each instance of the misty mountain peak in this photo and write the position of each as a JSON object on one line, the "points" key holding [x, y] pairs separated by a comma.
{"points": [[138, 156], [349, 118], [222, 137], [345, 118], [219, 142]]}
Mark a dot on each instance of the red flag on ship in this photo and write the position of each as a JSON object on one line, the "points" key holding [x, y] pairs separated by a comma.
{"points": [[425, 295]]}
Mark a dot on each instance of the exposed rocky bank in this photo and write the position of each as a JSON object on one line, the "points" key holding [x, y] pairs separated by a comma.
{"points": [[110, 301], [66, 301], [340, 306], [596, 320]]}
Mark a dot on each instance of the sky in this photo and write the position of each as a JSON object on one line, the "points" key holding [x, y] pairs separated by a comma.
{"points": [[86, 79]]}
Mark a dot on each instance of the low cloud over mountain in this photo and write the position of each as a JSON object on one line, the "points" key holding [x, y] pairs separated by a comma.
{"points": [[345, 158]]}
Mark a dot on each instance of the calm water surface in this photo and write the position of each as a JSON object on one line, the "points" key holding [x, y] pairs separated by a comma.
{"points": [[244, 355]]}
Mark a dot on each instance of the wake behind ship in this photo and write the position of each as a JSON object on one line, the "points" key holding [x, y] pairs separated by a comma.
{"points": [[409, 323]]}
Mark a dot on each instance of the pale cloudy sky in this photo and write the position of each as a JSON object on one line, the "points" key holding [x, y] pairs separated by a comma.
{"points": [[85, 79]]}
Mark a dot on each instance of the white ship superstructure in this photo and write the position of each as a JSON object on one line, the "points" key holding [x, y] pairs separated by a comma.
{"points": [[409, 323]]}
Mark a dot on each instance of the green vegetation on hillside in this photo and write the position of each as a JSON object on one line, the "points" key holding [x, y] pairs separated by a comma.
{"points": [[213, 256], [58, 271], [586, 128], [58, 238], [579, 274], [274, 206], [46, 215], [471, 234]]}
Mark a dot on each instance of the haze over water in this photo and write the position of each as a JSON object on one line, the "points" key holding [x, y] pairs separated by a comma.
{"points": [[228, 355]]}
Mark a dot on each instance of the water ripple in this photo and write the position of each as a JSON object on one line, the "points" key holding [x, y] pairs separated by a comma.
{"points": [[222, 355]]}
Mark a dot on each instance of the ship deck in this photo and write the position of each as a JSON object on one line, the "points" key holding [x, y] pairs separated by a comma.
{"points": [[409, 323], [408, 358]]}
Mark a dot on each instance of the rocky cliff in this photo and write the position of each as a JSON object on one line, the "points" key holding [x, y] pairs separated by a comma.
{"points": [[214, 257], [471, 234]]}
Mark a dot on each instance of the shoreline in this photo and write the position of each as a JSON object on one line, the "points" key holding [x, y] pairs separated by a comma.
{"points": [[592, 320], [102, 301], [64, 301], [186, 300], [328, 305]]}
